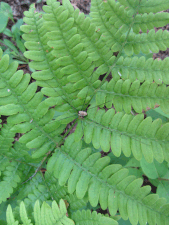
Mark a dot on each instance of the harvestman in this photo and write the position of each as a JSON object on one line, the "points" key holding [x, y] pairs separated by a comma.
{"points": [[82, 114]]}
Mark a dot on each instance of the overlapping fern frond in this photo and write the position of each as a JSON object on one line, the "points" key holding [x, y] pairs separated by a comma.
{"points": [[114, 20], [11, 175], [141, 69], [107, 184], [42, 215], [28, 113], [125, 95], [68, 54], [124, 132], [66, 57], [56, 214], [146, 6]]}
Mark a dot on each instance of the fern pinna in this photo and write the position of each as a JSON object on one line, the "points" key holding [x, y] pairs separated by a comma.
{"points": [[69, 52]]}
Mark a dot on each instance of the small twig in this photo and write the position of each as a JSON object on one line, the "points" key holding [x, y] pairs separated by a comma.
{"points": [[30, 178], [164, 179]]}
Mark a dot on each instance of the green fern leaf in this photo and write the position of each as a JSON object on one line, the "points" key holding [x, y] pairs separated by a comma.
{"points": [[11, 178], [146, 6], [122, 21], [73, 56], [85, 217], [75, 203], [43, 215], [125, 95], [23, 215], [126, 133], [28, 110], [106, 183], [10, 217], [81, 60], [141, 69]]}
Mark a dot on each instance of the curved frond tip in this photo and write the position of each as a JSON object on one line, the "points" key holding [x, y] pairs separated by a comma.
{"points": [[45, 214]]}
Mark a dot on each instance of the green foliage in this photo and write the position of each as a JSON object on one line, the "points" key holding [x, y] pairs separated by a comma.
{"points": [[42, 215], [15, 46], [5, 13], [40, 157], [56, 215]]}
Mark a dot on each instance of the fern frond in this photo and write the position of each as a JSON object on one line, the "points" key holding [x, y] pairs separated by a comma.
{"points": [[122, 15], [86, 217], [74, 62], [76, 68], [141, 69], [42, 215], [11, 177], [29, 186], [118, 21], [145, 42], [146, 6], [98, 18], [56, 191], [124, 95], [36, 42], [147, 22], [4, 163], [153, 6], [40, 192], [123, 132], [91, 38], [75, 203], [113, 30], [10, 217], [23, 214], [6, 139], [69, 53], [20, 152], [108, 184], [28, 113], [39, 188], [113, 35]]}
